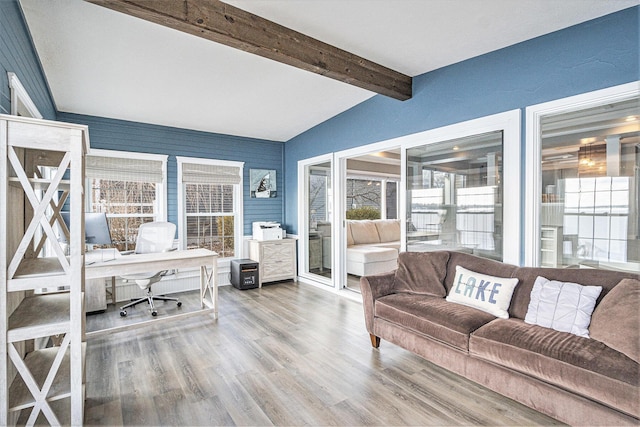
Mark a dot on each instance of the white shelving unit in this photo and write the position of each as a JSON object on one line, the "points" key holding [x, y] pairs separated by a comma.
{"points": [[277, 259], [550, 246], [41, 282]]}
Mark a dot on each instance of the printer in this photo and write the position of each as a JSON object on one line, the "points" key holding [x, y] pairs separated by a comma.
{"points": [[267, 230]]}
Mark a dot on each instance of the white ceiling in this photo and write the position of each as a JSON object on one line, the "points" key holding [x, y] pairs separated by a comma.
{"points": [[103, 63]]}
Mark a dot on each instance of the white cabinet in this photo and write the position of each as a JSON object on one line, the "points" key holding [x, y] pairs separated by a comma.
{"points": [[41, 280], [95, 295], [277, 259]]}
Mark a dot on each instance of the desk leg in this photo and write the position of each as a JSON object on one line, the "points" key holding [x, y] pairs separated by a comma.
{"points": [[214, 283], [203, 285], [209, 283]]}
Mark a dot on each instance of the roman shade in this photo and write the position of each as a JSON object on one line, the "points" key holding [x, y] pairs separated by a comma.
{"points": [[123, 169], [198, 173]]}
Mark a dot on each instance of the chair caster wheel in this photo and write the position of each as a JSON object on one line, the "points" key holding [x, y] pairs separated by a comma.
{"points": [[123, 313], [179, 303], [154, 313]]}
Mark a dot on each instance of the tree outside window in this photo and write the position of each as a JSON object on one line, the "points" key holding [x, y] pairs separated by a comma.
{"points": [[210, 218], [365, 196], [127, 205]]}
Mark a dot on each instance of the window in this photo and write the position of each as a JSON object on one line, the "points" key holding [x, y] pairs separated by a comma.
{"points": [[475, 216], [319, 196], [596, 213], [588, 196], [391, 191], [454, 197], [371, 198], [210, 194], [363, 195], [129, 187]]}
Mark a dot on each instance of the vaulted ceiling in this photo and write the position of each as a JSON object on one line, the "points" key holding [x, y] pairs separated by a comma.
{"points": [[105, 63]]}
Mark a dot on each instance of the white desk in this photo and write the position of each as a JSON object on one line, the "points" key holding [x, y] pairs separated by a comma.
{"points": [[140, 263]]}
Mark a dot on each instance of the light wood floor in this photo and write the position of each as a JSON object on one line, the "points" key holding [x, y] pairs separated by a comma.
{"points": [[110, 318], [353, 281], [286, 354]]}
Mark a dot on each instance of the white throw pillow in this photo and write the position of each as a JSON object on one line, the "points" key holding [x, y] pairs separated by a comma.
{"points": [[487, 293], [563, 306]]}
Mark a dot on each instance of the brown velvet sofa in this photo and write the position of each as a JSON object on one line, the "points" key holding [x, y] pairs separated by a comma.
{"points": [[580, 381]]}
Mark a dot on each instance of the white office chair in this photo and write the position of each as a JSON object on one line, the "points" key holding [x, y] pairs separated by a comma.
{"points": [[152, 237]]}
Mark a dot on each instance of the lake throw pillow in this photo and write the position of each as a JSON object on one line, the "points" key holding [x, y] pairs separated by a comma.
{"points": [[487, 293]]}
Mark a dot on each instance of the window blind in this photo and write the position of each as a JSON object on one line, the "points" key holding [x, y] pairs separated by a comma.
{"points": [[123, 169], [198, 173]]}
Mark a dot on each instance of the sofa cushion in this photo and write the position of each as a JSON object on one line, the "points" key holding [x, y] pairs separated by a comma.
{"points": [[482, 291], [390, 245], [350, 241], [366, 254], [388, 230], [582, 365], [371, 268], [364, 232], [432, 316], [616, 320], [421, 273], [563, 306]]}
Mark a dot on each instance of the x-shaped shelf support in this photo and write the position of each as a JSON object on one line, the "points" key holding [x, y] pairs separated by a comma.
{"points": [[40, 394], [39, 210], [207, 278]]}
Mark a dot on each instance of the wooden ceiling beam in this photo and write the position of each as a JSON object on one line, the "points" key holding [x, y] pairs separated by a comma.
{"points": [[231, 26]]}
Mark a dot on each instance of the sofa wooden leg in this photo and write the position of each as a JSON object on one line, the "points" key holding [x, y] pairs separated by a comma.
{"points": [[375, 341]]}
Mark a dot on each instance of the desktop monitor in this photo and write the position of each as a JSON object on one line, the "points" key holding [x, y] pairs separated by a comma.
{"points": [[96, 228]]}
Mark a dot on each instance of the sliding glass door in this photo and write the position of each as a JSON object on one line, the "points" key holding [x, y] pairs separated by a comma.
{"points": [[454, 188], [315, 220]]}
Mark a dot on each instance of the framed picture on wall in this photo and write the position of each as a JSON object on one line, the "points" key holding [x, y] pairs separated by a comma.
{"points": [[262, 183]]}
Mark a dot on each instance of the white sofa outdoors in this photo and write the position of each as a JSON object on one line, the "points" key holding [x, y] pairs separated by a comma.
{"points": [[372, 246]]}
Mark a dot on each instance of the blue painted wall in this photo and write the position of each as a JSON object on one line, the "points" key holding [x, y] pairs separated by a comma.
{"points": [[17, 55], [590, 56], [121, 135]]}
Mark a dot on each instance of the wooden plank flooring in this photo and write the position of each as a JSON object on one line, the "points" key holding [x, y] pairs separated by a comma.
{"points": [[110, 318], [286, 354]]}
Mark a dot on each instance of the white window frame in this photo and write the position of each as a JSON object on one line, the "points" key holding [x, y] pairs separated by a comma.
{"points": [[534, 116], [238, 202], [21, 102], [303, 220], [509, 123], [161, 188]]}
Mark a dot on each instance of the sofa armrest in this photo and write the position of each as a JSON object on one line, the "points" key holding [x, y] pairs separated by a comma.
{"points": [[372, 288]]}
